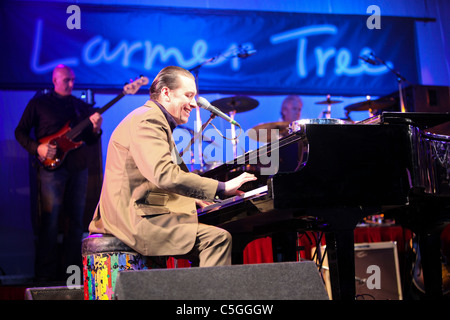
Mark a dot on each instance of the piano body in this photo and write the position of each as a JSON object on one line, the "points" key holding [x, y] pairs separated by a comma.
{"points": [[330, 176]]}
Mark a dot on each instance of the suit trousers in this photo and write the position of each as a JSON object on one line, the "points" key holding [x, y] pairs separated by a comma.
{"points": [[212, 247]]}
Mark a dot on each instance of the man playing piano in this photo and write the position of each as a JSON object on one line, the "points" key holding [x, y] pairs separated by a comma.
{"points": [[149, 197]]}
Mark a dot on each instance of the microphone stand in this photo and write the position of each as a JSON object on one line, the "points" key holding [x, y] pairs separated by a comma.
{"points": [[197, 134], [199, 129], [195, 70], [400, 79]]}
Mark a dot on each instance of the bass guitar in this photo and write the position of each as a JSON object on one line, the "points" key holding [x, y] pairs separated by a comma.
{"points": [[64, 138]]}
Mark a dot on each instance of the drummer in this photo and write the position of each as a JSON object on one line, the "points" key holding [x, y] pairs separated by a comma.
{"points": [[291, 109]]}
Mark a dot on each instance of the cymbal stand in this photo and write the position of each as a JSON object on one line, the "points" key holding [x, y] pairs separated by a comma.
{"points": [[233, 134], [328, 112]]}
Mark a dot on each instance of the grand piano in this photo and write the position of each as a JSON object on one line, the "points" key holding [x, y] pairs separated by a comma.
{"points": [[330, 176]]}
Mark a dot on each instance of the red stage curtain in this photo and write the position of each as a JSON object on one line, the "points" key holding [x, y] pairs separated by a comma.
{"points": [[173, 263], [259, 251]]}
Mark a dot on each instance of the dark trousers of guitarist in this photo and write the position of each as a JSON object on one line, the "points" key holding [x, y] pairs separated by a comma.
{"points": [[61, 191]]}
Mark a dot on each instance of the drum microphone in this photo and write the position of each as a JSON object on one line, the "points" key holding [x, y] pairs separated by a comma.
{"points": [[203, 103]]}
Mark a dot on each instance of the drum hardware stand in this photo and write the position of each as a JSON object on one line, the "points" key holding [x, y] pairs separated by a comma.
{"points": [[328, 112], [328, 102]]}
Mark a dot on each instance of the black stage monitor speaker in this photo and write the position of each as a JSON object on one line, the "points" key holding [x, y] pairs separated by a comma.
{"points": [[55, 293], [273, 281]]}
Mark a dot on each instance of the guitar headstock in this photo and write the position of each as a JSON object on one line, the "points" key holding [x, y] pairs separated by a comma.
{"points": [[134, 86]]}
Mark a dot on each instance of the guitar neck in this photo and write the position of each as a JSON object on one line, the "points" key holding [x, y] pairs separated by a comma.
{"points": [[111, 103], [79, 128]]}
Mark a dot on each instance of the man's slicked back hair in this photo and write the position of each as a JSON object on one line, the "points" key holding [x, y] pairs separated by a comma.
{"points": [[167, 77]]}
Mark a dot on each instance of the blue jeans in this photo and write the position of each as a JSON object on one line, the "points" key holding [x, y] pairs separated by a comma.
{"points": [[61, 192]]}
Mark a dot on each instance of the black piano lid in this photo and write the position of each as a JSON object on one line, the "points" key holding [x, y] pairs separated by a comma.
{"points": [[422, 120]]}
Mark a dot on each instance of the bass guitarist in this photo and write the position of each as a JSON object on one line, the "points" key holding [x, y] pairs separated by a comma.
{"points": [[62, 190]]}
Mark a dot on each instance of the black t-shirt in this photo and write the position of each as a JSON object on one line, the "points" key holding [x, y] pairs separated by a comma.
{"points": [[46, 115]]}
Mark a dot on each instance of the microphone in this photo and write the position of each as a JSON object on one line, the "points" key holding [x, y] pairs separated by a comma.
{"points": [[368, 60], [203, 103], [246, 54]]}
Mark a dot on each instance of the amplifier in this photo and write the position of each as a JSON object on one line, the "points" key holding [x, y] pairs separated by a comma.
{"points": [[377, 271]]}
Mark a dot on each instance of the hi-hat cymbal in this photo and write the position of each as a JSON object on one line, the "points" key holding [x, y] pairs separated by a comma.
{"points": [[329, 101], [266, 136], [378, 104], [237, 104]]}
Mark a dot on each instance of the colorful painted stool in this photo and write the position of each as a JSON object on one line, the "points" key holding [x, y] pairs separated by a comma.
{"points": [[103, 257]]}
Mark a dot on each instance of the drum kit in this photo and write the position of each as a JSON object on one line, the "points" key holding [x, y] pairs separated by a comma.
{"points": [[271, 131], [262, 132], [233, 105]]}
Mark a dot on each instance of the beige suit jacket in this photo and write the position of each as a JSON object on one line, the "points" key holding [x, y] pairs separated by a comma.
{"points": [[147, 198]]}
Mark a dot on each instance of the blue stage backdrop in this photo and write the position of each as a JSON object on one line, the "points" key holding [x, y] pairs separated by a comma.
{"points": [[245, 52]]}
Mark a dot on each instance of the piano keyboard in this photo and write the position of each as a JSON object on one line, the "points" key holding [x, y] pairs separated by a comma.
{"points": [[247, 195]]}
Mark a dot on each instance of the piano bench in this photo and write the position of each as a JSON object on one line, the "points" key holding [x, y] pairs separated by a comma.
{"points": [[103, 257]]}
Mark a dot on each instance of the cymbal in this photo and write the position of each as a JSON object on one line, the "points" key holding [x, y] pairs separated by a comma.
{"points": [[329, 101], [256, 134], [378, 104], [237, 103]]}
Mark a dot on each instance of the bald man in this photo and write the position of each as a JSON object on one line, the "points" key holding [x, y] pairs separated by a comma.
{"points": [[62, 190]]}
